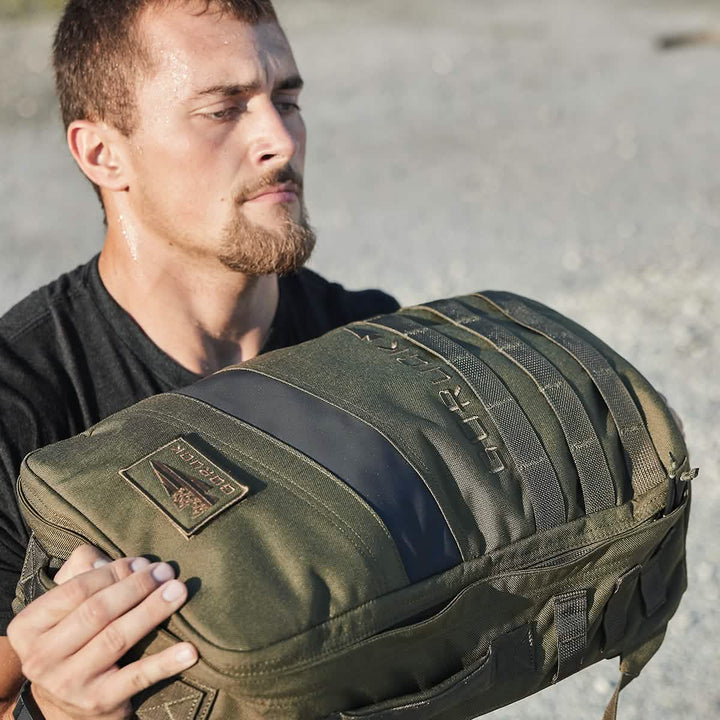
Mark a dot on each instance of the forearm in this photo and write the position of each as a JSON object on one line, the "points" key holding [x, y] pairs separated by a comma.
{"points": [[6, 710]]}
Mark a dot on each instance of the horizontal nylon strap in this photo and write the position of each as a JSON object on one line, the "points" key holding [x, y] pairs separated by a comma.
{"points": [[646, 471], [595, 480], [522, 442], [571, 627], [352, 450]]}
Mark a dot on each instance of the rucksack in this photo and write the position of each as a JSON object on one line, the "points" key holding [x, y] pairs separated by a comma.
{"points": [[426, 515]]}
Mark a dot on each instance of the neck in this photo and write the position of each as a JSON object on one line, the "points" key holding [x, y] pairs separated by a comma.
{"points": [[196, 310]]}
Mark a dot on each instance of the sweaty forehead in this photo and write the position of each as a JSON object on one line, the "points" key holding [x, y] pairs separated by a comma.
{"points": [[190, 50]]}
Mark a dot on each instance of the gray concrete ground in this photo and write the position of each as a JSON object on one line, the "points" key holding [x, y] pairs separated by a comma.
{"points": [[543, 147]]}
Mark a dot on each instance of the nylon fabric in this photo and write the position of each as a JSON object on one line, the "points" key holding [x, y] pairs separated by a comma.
{"points": [[302, 472], [522, 443], [352, 450], [29, 585], [511, 652], [616, 611], [652, 586], [593, 472], [630, 667], [645, 467]]}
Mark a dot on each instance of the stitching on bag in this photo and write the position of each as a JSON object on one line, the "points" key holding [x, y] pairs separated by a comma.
{"points": [[300, 492], [170, 703], [499, 580]]}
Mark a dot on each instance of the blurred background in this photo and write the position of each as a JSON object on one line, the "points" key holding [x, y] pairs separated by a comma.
{"points": [[566, 150]]}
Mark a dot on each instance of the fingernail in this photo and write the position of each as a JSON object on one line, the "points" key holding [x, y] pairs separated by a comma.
{"points": [[139, 564], [163, 572], [100, 562], [186, 655], [173, 591]]}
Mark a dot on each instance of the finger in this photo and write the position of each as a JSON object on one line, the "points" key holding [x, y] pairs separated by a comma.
{"points": [[118, 637], [117, 686], [105, 606], [85, 558], [49, 609]]}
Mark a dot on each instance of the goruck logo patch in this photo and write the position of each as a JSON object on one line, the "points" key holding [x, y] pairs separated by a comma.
{"points": [[188, 487]]}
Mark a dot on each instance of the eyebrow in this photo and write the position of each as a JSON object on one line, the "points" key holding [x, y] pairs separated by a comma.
{"points": [[294, 82]]}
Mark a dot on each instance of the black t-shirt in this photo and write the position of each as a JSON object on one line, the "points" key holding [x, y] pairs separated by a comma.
{"points": [[70, 356]]}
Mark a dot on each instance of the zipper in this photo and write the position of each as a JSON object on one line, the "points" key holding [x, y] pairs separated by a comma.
{"points": [[568, 556], [42, 523], [575, 554]]}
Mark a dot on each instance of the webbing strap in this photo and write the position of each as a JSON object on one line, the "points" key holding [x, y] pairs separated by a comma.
{"points": [[521, 440], [631, 664], [595, 479], [646, 471], [571, 628], [29, 587], [611, 710], [187, 699], [616, 610]]}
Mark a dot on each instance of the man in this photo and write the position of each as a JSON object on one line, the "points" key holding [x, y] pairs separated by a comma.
{"points": [[184, 115]]}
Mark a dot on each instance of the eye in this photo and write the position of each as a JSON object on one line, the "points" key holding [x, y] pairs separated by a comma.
{"points": [[285, 107], [227, 113]]}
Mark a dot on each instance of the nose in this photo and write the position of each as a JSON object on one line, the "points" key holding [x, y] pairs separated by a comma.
{"points": [[274, 143]]}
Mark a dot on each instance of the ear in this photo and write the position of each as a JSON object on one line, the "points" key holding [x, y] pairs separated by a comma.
{"points": [[97, 149]]}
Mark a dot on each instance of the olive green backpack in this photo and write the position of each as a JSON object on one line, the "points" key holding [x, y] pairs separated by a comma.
{"points": [[429, 514]]}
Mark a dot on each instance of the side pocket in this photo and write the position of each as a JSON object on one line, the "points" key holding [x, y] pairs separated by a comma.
{"points": [[509, 656]]}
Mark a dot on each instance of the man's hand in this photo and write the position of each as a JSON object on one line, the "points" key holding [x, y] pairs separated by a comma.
{"points": [[70, 639]]}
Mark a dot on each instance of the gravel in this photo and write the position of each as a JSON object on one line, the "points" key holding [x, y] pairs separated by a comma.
{"points": [[547, 148]]}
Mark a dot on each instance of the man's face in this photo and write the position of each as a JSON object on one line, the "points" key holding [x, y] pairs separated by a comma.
{"points": [[218, 149]]}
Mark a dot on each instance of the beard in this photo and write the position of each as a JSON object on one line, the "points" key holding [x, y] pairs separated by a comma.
{"points": [[253, 250]]}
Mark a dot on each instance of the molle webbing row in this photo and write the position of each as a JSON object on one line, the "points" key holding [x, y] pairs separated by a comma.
{"points": [[521, 440], [595, 479], [645, 469]]}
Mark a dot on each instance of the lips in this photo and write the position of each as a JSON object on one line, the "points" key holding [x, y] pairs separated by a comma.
{"points": [[283, 192]]}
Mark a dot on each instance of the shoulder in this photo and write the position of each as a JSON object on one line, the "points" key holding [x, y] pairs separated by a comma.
{"points": [[310, 306], [342, 305], [25, 319], [38, 348]]}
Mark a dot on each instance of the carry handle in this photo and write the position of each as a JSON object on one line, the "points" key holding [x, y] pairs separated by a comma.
{"points": [[508, 656]]}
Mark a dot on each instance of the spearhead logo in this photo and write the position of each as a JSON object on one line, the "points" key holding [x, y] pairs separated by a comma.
{"points": [[185, 485], [184, 491]]}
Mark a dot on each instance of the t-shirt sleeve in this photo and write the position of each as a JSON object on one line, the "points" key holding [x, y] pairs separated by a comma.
{"points": [[363, 304], [18, 435], [311, 306]]}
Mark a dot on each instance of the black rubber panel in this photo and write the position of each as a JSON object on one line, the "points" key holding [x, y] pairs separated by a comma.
{"points": [[349, 448]]}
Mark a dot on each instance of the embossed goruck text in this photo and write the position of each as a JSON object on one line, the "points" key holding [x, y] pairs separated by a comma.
{"points": [[187, 486]]}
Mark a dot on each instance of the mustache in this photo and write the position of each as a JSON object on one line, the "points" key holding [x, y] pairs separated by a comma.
{"points": [[284, 175]]}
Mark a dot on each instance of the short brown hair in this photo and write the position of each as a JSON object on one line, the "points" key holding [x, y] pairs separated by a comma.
{"points": [[97, 54]]}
